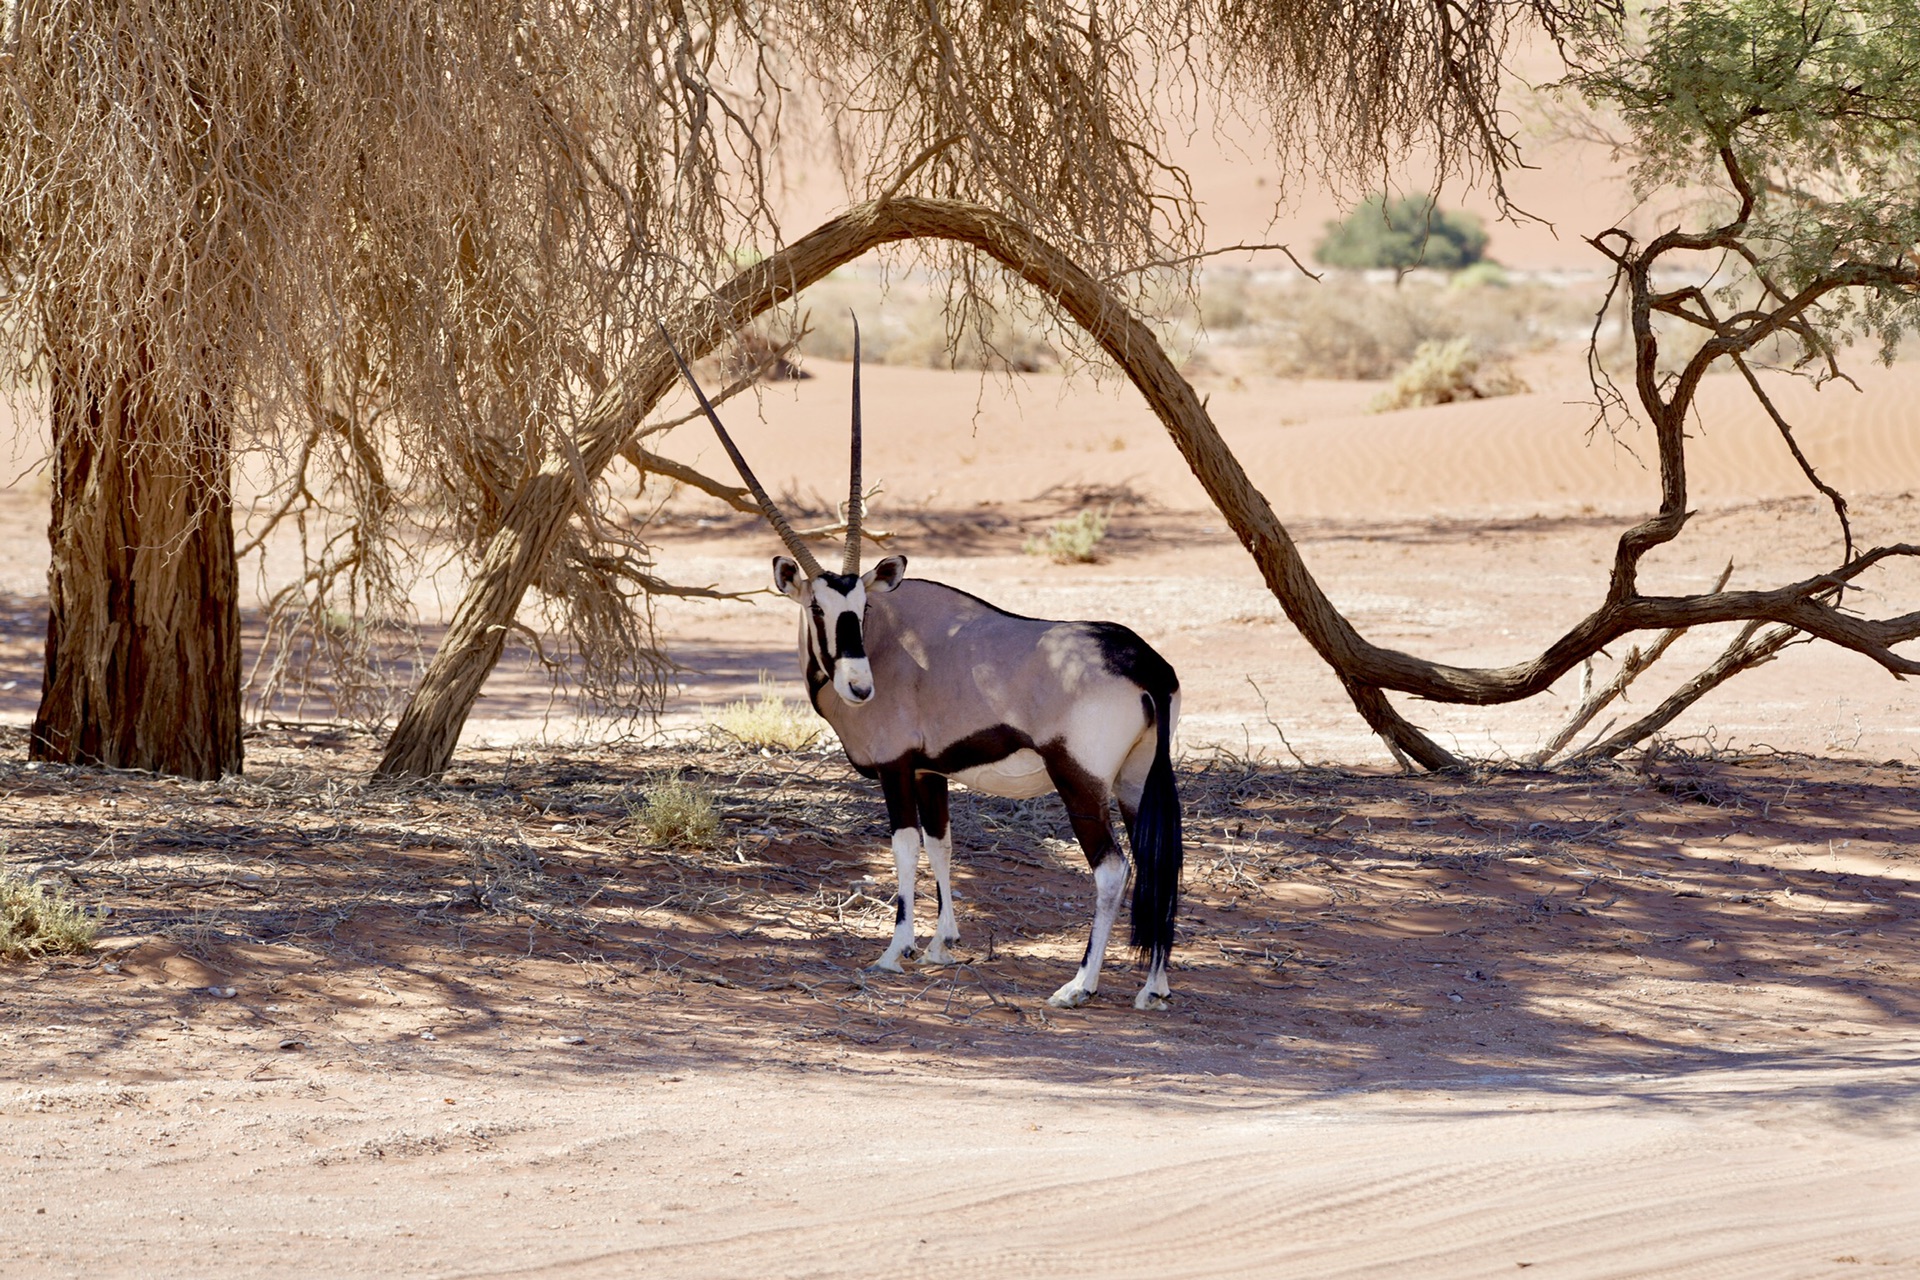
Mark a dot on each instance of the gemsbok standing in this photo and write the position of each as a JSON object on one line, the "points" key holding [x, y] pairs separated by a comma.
{"points": [[924, 683]]}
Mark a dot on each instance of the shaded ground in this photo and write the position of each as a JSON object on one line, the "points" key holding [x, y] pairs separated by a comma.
{"points": [[1339, 928]]}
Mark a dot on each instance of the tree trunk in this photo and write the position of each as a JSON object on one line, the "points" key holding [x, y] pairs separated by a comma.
{"points": [[143, 628]]}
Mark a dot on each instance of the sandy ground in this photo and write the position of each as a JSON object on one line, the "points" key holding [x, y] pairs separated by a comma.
{"points": [[1650, 1022]]}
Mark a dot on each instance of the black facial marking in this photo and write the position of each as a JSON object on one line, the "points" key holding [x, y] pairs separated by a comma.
{"points": [[847, 642], [819, 617]]}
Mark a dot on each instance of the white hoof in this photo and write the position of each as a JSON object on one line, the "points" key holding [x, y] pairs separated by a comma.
{"points": [[937, 954], [1148, 1000], [887, 964], [1071, 996]]}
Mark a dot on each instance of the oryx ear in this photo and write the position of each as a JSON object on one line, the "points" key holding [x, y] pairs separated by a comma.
{"points": [[886, 575], [787, 579]]}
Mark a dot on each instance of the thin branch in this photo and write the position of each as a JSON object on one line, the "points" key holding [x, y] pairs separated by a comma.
{"points": [[1183, 259], [1742, 654], [1636, 664], [1833, 495]]}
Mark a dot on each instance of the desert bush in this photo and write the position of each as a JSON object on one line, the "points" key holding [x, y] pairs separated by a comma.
{"points": [[1352, 329], [34, 922], [1443, 372], [1075, 540], [678, 813], [907, 324], [1403, 234], [770, 721], [1354, 332]]}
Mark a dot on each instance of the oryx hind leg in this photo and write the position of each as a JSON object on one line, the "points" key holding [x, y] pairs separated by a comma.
{"points": [[902, 816], [931, 792], [1088, 809]]}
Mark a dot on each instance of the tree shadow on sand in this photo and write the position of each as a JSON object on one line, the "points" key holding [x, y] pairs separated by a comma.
{"points": [[1668, 933]]}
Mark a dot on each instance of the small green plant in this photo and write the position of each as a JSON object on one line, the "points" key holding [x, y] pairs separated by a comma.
{"points": [[1443, 372], [1075, 540], [772, 722], [34, 922], [678, 813]]}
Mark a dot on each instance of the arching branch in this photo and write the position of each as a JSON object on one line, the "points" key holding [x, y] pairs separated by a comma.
{"points": [[423, 743]]}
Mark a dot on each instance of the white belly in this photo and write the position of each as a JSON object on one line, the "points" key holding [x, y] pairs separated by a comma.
{"points": [[1021, 776]]}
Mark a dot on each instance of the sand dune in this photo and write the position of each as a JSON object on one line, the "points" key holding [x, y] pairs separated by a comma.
{"points": [[938, 439]]}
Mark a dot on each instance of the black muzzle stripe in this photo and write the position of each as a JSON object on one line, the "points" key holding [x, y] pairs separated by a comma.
{"points": [[849, 643]]}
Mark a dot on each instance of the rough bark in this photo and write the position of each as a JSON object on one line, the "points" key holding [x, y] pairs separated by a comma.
{"points": [[143, 631], [424, 741]]}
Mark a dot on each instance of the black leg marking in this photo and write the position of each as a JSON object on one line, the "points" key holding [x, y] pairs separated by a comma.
{"points": [[896, 783], [930, 789], [899, 908], [1088, 807], [939, 898]]}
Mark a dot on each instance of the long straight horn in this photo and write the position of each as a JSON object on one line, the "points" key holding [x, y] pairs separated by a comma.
{"points": [[801, 551], [851, 563]]}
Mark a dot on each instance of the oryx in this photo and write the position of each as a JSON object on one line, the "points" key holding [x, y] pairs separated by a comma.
{"points": [[924, 683]]}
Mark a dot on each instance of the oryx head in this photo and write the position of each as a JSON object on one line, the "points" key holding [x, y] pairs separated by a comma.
{"points": [[835, 603]]}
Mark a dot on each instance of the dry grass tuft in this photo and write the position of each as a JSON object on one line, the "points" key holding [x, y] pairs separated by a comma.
{"points": [[1446, 372], [678, 813], [34, 922], [771, 722]]}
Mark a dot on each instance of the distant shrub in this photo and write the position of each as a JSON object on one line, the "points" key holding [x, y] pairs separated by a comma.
{"points": [[34, 922], [678, 813], [1481, 275], [1443, 372], [1403, 234], [1075, 540], [770, 721]]}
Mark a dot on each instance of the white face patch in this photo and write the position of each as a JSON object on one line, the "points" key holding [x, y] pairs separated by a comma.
{"points": [[837, 625]]}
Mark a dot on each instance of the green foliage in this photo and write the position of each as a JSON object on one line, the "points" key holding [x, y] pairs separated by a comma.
{"points": [[1444, 372], [770, 722], [35, 923], [1813, 109], [1075, 540], [678, 813], [1402, 234]]}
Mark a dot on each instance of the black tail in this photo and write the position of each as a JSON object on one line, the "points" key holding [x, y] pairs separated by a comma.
{"points": [[1157, 850]]}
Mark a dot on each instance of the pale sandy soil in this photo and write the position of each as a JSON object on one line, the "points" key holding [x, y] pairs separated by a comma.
{"points": [[1656, 1022]]}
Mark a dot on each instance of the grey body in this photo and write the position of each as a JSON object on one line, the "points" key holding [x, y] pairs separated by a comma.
{"points": [[944, 685], [929, 645]]}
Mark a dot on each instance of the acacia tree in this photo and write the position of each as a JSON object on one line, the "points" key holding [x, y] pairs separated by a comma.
{"points": [[1040, 113], [370, 243], [398, 254], [1802, 117]]}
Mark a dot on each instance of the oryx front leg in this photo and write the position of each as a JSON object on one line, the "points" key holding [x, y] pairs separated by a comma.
{"points": [[931, 790], [1109, 885], [906, 862], [902, 814]]}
